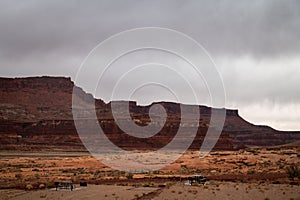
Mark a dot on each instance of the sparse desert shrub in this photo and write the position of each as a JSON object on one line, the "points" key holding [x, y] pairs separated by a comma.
{"points": [[97, 172], [43, 196], [18, 176], [65, 171], [37, 176], [50, 184], [279, 164], [129, 176], [80, 170], [266, 163], [293, 171]]}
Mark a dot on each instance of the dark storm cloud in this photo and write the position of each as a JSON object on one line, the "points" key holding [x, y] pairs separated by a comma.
{"points": [[257, 28], [260, 28]]}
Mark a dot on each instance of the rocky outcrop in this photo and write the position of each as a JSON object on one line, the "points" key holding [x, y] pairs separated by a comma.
{"points": [[36, 112]]}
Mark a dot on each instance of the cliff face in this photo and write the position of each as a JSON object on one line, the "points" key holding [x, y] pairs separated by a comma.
{"points": [[37, 113]]}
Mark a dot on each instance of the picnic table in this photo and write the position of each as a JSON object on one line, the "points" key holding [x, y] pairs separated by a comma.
{"points": [[197, 179], [66, 185]]}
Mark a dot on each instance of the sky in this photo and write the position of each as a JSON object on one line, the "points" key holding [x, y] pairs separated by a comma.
{"points": [[254, 44]]}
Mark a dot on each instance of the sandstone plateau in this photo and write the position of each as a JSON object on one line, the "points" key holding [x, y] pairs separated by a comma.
{"points": [[36, 113]]}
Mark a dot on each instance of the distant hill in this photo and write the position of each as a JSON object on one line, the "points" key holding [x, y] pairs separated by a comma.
{"points": [[36, 113]]}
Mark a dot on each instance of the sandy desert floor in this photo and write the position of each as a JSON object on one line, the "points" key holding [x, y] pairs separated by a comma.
{"points": [[108, 192], [254, 173], [213, 190], [229, 190]]}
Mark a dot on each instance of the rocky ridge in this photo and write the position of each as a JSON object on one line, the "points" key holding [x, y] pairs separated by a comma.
{"points": [[36, 113]]}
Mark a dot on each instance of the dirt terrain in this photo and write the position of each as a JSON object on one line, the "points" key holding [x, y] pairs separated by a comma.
{"points": [[248, 172], [212, 190], [82, 193], [231, 191]]}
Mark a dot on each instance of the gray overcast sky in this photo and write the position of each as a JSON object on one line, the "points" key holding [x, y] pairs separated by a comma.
{"points": [[255, 44]]}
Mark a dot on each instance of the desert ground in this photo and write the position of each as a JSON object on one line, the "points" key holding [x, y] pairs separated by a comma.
{"points": [[212, 190], [83, 193], [252, 173], [229, 190]]}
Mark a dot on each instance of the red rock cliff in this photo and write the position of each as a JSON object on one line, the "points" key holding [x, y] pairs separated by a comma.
{"points": [[36, 112]]}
